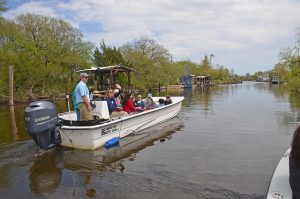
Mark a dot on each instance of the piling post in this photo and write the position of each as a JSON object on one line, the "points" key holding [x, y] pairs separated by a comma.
{"points": [[11, 85], [158, 87], [11, 102], [14, 128]]}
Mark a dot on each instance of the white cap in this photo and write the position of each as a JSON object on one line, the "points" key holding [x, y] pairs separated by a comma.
{"points": [[83, 75]]}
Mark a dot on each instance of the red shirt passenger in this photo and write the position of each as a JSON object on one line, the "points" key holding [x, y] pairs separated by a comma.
{"points": [[129, 107], [128, 104]]}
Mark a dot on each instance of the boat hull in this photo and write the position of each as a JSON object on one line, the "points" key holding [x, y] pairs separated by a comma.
{"points": [[94, 160], [93, 137], [279, 186]]}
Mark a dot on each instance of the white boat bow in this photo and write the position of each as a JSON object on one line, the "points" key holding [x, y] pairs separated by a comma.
{"points": [[279, 187]]}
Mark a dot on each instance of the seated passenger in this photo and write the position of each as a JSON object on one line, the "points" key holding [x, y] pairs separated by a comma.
{"points": [[118, 94], [118, 98], [149, 103], [168, 100], [113, 109], [139, 103], [160, 103], [128, 104]]}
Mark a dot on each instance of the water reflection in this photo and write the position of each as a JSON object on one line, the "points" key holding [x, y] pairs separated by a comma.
{"points": [[294, 99], [278, 90], [45, 173], [208, 98], [112, 159], [202, 93], [289, 116], [14, 129]]}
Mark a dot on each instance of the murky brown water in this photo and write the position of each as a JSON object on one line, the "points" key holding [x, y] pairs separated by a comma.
{"points": [[225, 143]]}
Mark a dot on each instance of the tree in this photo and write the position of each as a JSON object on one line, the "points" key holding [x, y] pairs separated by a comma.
{"points": [[150, 60], [3, 7], [289, 65], [205, 66], [45, 52], [107, 56]]}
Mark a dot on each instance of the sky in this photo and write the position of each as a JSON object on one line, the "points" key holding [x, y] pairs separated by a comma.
{"points": [[245, 36]]}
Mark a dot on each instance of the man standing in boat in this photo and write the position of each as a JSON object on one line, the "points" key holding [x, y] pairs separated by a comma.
{"points": [[82, 95]]}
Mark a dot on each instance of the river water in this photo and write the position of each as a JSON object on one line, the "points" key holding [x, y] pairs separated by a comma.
{"points": [[225, 143]]}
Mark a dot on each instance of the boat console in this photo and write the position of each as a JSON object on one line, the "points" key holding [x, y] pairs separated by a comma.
{"points": [[101, 110]]}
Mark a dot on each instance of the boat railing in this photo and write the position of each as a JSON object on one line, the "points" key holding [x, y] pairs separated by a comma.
{"points": [[82, 123]]}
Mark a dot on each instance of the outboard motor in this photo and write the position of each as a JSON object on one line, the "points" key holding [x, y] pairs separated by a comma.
{"points": [[41, 122]]}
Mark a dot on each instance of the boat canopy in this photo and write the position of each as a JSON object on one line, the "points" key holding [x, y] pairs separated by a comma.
{"points": [[108, 73]]}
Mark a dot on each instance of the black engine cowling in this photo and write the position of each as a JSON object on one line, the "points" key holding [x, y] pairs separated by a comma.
{"points": [[41, 120]]}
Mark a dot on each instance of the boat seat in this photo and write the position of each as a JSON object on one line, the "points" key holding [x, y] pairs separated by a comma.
{"points": [[67, 116]]}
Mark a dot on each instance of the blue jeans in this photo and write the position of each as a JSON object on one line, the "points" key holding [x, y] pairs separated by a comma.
{"points": [[77, 114]]}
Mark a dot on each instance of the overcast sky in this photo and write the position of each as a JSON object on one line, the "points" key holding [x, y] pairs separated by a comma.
{"points": [[244, 35]]}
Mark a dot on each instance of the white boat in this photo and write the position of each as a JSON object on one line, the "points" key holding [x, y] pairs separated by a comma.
{"points": [[48, 129], [279, 186], [275, 80], [264, 78]]}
